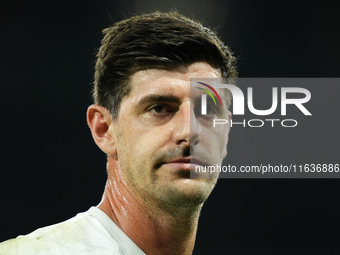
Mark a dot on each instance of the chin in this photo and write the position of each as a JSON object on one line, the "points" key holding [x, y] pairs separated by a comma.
{"points": [[189, 192]]}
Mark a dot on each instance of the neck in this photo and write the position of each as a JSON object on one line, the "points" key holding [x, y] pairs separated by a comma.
{"points": [[155, 228]]}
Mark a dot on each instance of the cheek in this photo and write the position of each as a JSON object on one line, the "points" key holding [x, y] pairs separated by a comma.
{"points": [[220, 138], [141, 142]]}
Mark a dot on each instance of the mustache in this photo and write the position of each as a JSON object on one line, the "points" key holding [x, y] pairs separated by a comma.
{"points": [[179, 152]]}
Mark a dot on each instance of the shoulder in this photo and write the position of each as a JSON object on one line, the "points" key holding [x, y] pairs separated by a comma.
{"points": [[24, 245], [82, 234]]}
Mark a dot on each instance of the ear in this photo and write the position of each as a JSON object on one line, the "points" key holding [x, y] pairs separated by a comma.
{"points": [[100, 122], [225, 151]]}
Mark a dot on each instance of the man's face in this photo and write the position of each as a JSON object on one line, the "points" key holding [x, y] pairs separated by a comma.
{"points": [[154, 137]]}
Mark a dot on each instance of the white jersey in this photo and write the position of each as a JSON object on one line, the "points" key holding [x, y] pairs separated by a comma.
{"points": [[91, 232]]}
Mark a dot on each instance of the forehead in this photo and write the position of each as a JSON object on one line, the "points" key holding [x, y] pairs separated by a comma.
{"points": [[170, 81]]}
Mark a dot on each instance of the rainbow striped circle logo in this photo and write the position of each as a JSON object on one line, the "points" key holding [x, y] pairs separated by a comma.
{"points": [[208, 92]]}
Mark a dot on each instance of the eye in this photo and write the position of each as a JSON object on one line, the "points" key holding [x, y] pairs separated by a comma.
{"points": [[211, 109], [159, 109]]}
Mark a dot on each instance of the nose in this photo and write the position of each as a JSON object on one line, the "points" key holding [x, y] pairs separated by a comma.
{"points": [[187, 129]]}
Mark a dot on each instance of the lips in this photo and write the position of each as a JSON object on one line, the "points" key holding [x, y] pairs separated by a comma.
{"points": [[184, 164]]}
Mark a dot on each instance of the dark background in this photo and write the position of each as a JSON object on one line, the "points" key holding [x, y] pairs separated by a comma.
{"points": [[51, 169]]}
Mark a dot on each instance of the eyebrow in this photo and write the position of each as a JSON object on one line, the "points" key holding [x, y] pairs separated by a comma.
{"points": [[158, 98]]}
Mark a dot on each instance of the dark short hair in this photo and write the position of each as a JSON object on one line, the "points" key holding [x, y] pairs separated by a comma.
{"points": [[157, 40]]}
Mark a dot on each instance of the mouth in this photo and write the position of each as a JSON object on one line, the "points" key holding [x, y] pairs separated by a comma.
{"points": [[184, 164]]}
